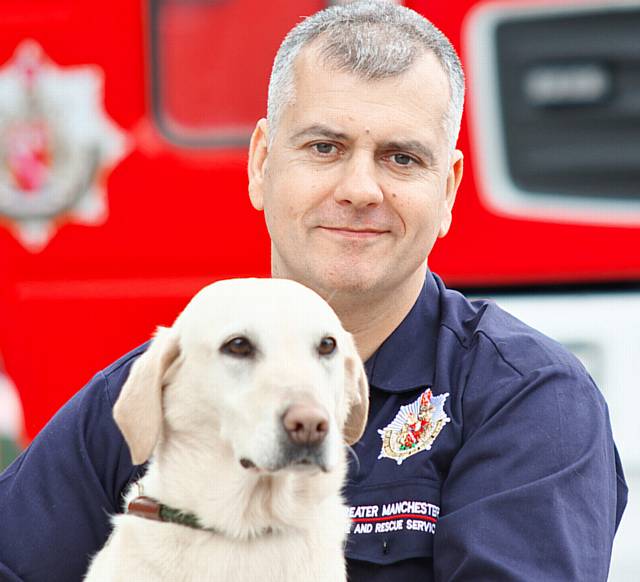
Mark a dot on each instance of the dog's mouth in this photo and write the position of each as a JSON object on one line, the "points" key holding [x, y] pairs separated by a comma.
{"points": [[247, 463], [308, 464], [303, 461]]}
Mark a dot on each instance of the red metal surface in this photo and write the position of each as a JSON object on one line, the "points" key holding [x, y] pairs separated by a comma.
{"points": [[180, 217]]}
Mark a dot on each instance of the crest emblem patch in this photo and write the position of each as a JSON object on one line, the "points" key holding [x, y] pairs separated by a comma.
{"points": [[57, 146], [415, 427]]}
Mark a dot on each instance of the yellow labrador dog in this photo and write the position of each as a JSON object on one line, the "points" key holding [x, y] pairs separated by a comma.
{"points": [[243, 407]]}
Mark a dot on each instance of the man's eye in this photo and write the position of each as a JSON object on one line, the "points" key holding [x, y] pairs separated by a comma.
{"points": [[239, 347], [324, 148], [402, 159]]}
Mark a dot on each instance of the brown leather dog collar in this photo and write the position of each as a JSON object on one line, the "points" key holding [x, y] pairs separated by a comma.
{"points": [[149, 508]]}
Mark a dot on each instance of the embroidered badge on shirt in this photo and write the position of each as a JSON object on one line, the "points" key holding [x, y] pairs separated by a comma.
{"points": [[414, 428]]}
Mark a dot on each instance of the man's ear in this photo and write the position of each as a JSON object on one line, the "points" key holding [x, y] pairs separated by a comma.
{"points": [[453, 182], [258, 149]]}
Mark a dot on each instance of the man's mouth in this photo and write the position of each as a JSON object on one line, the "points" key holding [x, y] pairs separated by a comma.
{"points": [[353, 232]]}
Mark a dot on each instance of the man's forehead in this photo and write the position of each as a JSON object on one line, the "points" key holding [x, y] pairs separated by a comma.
{"points": [[320, 84], [311, 58]]}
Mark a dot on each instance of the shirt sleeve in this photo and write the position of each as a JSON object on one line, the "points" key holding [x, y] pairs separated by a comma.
{"points": [[55, 499], [536, 490]]}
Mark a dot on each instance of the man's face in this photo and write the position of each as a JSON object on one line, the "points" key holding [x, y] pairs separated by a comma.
{"points": [[357, 184]]}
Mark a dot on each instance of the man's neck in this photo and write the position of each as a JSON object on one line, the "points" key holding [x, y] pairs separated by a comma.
{"points": [[372, 320]]}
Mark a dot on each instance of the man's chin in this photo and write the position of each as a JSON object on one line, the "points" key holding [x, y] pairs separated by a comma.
{"points": [[340, 284], [340, 280]]}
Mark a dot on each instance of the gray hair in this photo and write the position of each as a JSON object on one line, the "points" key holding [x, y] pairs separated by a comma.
{"points": [[373, 39]]}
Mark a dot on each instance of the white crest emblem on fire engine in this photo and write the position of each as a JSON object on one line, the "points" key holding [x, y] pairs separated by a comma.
{"points": [[415, 427], [57, 146]]}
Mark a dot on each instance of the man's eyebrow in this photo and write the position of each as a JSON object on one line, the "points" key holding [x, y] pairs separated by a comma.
{"points": [[411, 146], [319, 130]]}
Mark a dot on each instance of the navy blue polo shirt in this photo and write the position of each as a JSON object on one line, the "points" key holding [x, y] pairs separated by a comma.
{"points": [[488, 455]]}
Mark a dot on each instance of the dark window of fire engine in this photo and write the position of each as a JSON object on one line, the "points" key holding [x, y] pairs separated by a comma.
{"points": [[211, 61]]}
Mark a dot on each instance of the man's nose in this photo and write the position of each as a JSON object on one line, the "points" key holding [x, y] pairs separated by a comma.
{"points": [[358, 183]]}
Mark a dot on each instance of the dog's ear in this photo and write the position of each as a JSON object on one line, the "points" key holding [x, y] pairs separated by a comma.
{"points": [[138, 410], [357, 389]]}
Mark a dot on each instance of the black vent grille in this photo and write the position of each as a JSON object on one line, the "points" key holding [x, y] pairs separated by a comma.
{"points": [[569, 87]]}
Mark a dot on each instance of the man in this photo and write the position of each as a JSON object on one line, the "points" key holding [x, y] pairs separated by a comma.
{"points": [[512, 473]]}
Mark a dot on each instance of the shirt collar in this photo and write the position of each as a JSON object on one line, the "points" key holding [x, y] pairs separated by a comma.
{"points": [[406, 359]]}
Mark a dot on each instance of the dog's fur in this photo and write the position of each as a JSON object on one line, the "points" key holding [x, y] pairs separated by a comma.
{"points": [[196, 411]]}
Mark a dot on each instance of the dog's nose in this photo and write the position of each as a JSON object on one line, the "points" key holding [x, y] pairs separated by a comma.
{"points": [[306, 424]]}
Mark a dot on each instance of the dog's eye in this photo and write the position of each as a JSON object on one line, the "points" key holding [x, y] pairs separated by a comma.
{"points": [[240, 347], [326, 346]]}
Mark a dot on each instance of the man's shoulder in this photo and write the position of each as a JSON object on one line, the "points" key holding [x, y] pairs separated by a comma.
{"points": [[487, 330], [116, 374]]}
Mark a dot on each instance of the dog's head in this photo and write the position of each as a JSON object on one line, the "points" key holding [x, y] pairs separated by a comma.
{"points": [[262, 365]]}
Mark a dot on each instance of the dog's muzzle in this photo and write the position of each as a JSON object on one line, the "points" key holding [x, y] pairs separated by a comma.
{"points": [[303, 444]]}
